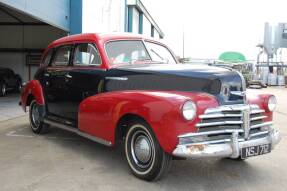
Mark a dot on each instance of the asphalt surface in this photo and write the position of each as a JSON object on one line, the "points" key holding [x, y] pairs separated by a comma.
{"points": [[63, 161]]}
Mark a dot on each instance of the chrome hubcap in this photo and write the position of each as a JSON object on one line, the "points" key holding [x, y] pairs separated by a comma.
{"points": [[141, 149], [35, 116]]}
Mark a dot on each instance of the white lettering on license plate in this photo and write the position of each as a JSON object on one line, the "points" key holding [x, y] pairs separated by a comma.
{"points": [[255, 150]]}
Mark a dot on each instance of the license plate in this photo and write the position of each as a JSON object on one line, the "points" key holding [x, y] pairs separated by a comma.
{"points": [[255, 150]]}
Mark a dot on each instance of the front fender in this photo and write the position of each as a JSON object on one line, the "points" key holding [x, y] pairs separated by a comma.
{"points": [[32, 88], [100, 114], [262, 101]]}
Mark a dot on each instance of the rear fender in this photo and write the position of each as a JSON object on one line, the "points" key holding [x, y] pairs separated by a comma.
{"points": [[32, 88], [100, 114]]}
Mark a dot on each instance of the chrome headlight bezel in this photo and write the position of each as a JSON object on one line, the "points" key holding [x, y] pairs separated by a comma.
{"points": [[271, 104], [189, 110]]}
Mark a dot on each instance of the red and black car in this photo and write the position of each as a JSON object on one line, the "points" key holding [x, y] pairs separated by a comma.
{"points": [[113, 88]]}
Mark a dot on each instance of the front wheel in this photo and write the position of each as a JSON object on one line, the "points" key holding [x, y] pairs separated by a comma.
{"points": [[36, 120], [145, 157]]}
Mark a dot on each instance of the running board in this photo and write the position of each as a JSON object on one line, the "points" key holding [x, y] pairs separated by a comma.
{"points": [[77, 131]]}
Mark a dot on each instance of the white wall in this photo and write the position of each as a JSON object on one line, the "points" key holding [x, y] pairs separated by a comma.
{"points": [[103, 16], [146, 27], [135, 21]]}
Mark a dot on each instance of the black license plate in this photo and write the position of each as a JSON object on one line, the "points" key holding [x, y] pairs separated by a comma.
{"points": [[255, 150]]}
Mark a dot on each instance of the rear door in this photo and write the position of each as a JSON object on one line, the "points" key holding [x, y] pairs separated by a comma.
{"points": [[56, 79]]}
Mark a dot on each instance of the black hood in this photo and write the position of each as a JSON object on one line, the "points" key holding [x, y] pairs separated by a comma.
{"points": [[180, 77]]}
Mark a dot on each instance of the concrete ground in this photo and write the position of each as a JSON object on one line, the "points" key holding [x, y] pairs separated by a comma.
{"points": [[9, 107], [63, 161]]}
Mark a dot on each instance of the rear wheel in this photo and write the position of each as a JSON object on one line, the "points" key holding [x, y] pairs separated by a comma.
{"points": [[3, 89], [145, 157], [36, 120]]}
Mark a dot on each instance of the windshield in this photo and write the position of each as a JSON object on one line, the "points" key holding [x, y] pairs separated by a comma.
{"points": [[126, 51], [131, 51]]}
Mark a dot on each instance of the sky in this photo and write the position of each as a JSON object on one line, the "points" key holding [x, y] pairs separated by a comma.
{"points": [[211, 27]]}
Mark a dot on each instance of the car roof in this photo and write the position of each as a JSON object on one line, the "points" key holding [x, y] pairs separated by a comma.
{"points": [[99, 36]]}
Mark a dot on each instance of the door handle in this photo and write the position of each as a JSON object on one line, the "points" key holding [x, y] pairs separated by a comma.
{"points": [[68, 76], [46, 74]]}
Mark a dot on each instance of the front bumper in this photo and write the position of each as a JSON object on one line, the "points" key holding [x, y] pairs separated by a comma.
{"points": [[229, 149]]}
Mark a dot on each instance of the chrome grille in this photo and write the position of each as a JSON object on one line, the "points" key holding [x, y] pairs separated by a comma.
{"points": [[217, 124]]}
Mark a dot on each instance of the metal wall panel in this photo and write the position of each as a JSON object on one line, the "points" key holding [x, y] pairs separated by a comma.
{"points": [[53, 12]]}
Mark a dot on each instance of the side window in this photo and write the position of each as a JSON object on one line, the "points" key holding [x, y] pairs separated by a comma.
{"points": [[47, 58], [86, 54], [62, 56]]}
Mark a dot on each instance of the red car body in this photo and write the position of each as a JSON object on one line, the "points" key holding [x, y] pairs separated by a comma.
{"points": [[99, 115]]}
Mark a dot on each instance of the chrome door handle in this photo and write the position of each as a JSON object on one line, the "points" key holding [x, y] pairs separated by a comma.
{"points": [[68, 76], [46, 74]]}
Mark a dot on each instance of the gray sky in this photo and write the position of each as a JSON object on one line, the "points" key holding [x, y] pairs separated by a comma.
{"points": [[214, 26]]}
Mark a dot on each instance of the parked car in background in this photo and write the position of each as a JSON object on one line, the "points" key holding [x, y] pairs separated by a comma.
{"points": [[9, 81], [126, 88]]}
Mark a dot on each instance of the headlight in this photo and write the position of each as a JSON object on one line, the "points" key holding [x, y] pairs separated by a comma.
{"points": [[189, 110], [272, 103]]}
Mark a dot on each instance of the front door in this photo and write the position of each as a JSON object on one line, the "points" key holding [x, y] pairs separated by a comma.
{"points": [[86, 78]]}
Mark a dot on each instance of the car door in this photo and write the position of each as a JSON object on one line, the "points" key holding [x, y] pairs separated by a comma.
{"points": [[56, 79], [86, 76]]}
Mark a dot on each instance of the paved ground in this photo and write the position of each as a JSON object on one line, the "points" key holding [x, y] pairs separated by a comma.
{"points": [[9, 107], [63, 161]]}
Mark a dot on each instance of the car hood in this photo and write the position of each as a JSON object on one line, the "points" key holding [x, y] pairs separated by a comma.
{"points": [[217, 81]]}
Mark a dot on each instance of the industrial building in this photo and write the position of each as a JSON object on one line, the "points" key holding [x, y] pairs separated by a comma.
{"points": [[28, 26]]}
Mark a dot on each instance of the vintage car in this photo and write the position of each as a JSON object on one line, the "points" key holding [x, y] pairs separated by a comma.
{"points": [[119, 88], [9, 81]]}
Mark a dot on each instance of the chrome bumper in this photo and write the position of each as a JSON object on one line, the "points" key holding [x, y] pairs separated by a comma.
{"points": [[230, 149]]}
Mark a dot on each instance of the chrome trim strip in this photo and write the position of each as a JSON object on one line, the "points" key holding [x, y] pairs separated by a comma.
{"points": [[256, 111], [219, 115], [261, 125], [238, 107], [259, 133], [219, 123], [117, 78], [211, 133], [257, 118], [77, 131]]}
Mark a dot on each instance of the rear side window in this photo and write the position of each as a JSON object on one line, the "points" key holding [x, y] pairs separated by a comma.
{"points": [[47, 58], [86, 54], [62, 56]]}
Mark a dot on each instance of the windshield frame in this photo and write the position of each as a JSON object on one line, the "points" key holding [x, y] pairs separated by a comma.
{"points": [[145, 47], [163, 45]]}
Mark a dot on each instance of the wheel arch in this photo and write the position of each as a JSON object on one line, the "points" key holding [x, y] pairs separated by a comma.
{"points": [[34, 89], [122, 125]]}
